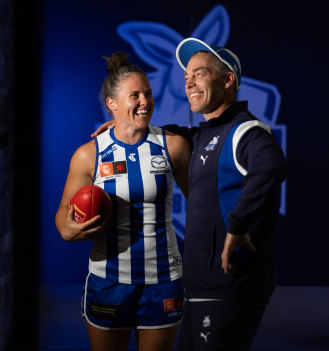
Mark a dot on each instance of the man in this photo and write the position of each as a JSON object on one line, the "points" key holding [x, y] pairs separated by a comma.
{"points": [[236, 172]]}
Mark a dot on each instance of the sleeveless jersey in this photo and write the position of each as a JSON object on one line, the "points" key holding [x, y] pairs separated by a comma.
{"points": [[141, 246]]}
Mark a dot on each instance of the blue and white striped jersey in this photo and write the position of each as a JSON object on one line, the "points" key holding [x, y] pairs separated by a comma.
{"points": [[141, 246]]}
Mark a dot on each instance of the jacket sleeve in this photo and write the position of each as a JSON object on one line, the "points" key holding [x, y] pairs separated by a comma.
{"points": [[266, 166], [185, 132]]}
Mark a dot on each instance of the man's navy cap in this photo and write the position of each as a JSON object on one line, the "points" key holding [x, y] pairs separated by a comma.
{"points": [[189, 46]]}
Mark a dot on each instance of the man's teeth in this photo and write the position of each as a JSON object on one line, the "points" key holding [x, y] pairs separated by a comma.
{"points": [[194, 95], [142, 112]]}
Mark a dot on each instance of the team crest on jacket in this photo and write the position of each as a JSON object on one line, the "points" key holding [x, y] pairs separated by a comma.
{"points": [[160, 164], [212, 144], [206, 322]]}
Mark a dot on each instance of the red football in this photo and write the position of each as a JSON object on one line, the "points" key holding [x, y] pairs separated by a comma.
{"points": [[90, 201]]}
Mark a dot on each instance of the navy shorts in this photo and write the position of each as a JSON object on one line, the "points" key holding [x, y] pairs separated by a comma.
{"points": [[107, 304]]}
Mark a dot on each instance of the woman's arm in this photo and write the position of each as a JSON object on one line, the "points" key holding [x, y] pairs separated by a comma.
{"points": [[80, 174], [180, 153]]}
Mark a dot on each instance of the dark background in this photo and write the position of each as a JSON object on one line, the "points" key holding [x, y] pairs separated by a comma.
{"points": [[280, 42]]}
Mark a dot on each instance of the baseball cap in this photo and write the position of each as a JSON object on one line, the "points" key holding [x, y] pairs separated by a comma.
{"points": [[189, 46]]}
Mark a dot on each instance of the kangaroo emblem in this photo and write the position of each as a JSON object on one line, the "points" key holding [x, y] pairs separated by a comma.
{"points": [[205, 336], [155, 44]]}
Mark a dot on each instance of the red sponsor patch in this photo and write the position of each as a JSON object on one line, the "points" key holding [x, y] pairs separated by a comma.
{"points": [[172, 304], [178, 303], [169, 304], [120, 167]]}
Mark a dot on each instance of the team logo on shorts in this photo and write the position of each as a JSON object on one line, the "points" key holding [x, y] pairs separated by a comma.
{"points": [[172, 304], [110, 312], [160, 164], [206, 322], [205, 336]]}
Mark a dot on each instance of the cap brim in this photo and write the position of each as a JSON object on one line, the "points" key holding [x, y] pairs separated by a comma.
{"points": [[188, 47]]}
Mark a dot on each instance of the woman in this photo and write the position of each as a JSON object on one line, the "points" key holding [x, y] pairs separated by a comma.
{"points": [[134, 279]]}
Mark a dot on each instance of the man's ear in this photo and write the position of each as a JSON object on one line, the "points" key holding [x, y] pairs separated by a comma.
{"points": [[229, 79], [111, 104]]}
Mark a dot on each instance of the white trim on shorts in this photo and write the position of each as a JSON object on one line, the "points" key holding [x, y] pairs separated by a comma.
{"points": [[202, 300], [84, 315], [159, 326]]}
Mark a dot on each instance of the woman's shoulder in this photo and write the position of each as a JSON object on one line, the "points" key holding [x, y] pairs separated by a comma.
{"points": [[85, 152]]}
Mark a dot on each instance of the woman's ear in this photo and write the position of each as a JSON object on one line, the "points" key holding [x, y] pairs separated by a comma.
{"points": [[111, 104]]}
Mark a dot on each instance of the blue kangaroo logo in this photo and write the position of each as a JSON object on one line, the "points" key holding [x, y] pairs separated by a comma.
{"points": [[155, 43]]}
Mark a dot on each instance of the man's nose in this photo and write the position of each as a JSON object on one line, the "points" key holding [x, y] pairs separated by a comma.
{"points": [[189, 82]]}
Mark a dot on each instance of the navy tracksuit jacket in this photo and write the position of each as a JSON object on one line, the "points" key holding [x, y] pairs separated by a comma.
{"points": [[236, 172]]}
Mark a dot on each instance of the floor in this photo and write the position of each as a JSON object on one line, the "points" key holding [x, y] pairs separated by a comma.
{"points": [[296, 320]]}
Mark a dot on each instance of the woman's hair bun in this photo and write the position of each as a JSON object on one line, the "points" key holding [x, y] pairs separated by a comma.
{"points": [[118, 59]]}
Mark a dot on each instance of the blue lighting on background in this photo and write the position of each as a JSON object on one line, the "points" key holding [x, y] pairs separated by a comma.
{"points": [[73, 70]]}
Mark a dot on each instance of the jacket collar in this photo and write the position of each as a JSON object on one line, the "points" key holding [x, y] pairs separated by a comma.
{"points": [[228, 114]]}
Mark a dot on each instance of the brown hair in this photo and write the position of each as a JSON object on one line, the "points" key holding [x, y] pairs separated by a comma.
{"points": [[118, 68]]}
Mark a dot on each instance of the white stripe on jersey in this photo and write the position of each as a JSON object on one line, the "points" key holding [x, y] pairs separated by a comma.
{"points": [[149, 215], [156, 135]]}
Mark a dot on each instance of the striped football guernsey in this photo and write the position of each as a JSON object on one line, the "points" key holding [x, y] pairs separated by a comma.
{"points": [[141, 247]]}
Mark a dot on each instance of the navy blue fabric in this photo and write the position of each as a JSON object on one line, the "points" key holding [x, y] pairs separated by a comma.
{"points": [[219, 326], [252, 278]]}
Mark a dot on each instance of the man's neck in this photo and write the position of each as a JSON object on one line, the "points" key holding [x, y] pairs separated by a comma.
{"points": [[216, 113]]}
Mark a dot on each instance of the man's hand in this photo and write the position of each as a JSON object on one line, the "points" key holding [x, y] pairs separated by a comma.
{"points": [[231, 242], [103, 127]]}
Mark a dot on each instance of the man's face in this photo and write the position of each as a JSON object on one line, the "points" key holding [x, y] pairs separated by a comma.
{"points": [[204, 85]]}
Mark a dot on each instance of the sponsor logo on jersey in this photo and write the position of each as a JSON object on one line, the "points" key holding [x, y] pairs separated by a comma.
{"points": [[203, 159], [132, 157], [205, 336], [113, 169], [172, 304], [107, 152], [175, 261], [160, 164]]}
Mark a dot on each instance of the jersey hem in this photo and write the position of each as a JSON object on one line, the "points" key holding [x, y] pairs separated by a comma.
{"points": [[129, 282]]}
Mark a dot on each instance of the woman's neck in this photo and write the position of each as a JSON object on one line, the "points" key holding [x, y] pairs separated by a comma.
{"points": [[128, 135]]}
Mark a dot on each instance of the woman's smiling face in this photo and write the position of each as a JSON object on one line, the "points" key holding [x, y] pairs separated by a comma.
{"points": [[134, 103]]}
